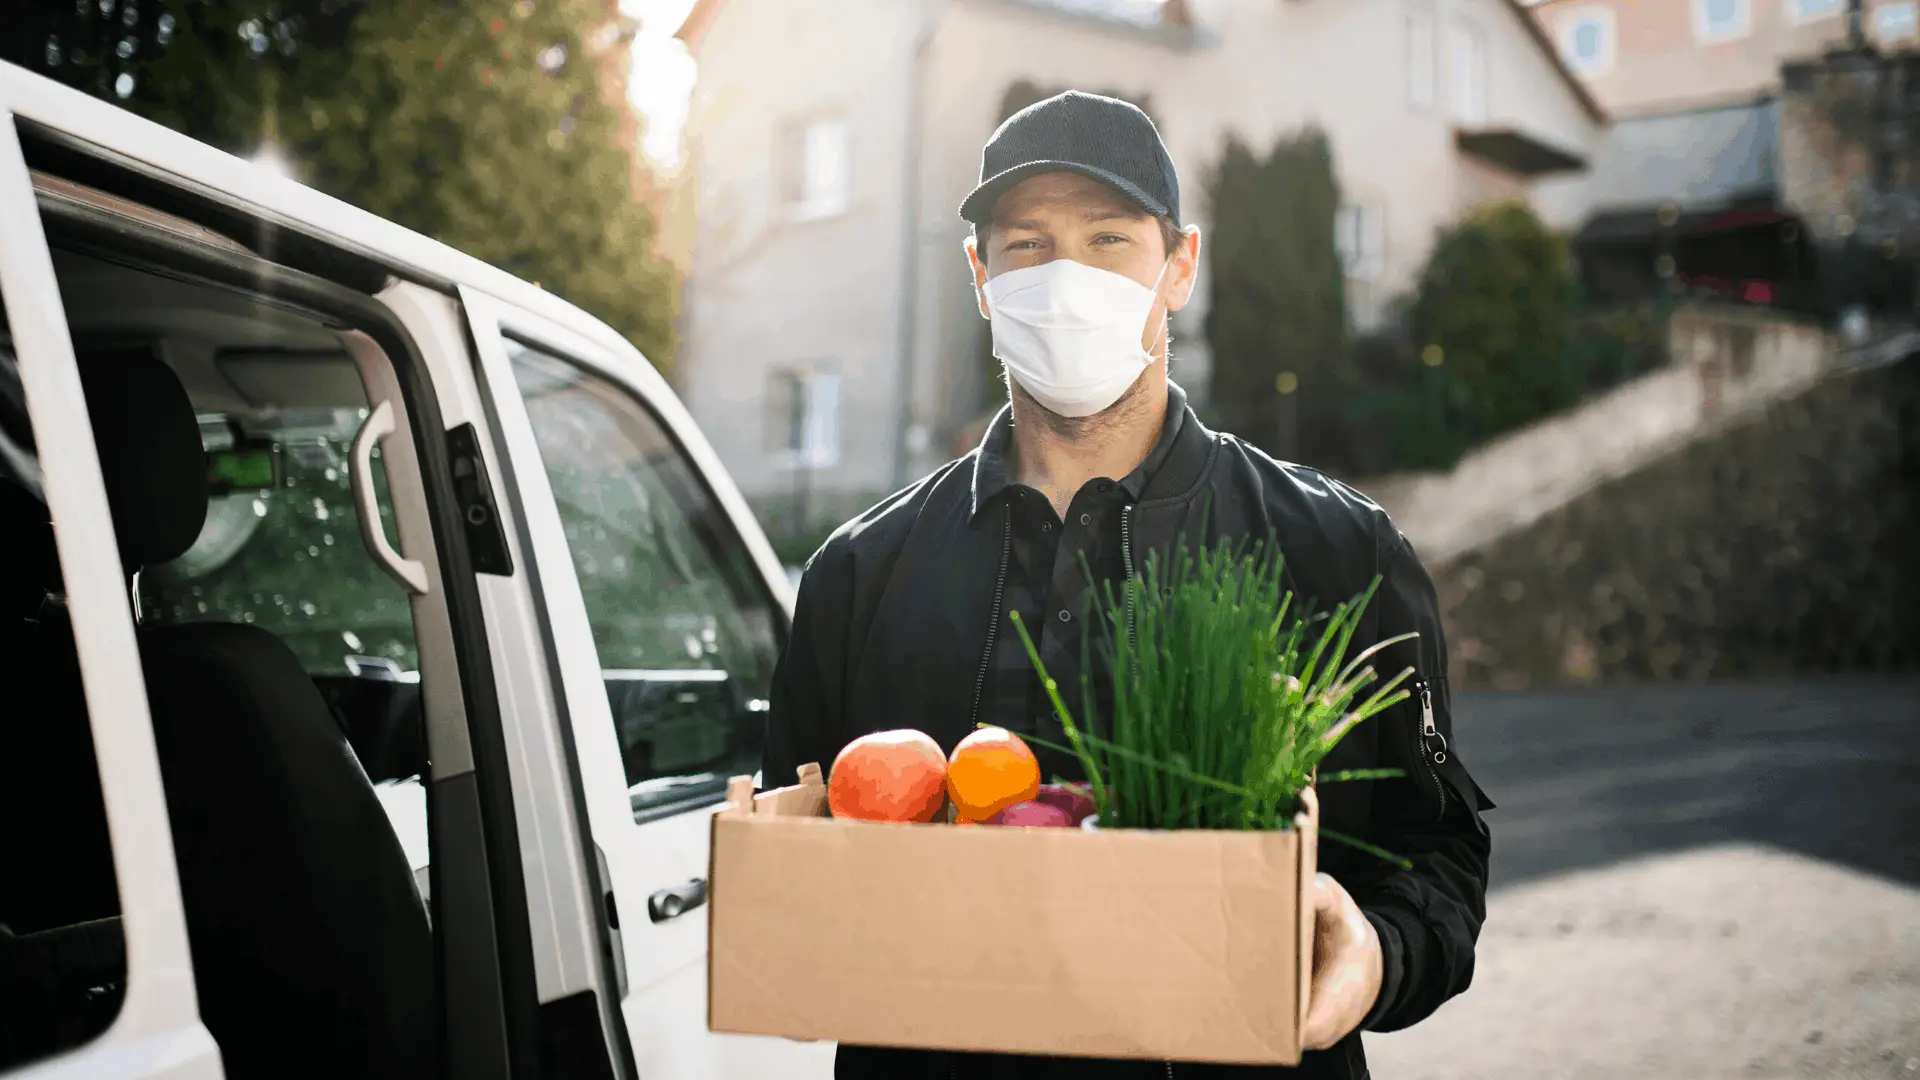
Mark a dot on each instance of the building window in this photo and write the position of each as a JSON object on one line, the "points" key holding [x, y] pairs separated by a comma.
{"points": [[1467, 74], [1722, 20], [1358, 234], [1587, 39], [1802, 11], [803, 417], [815, 174], [1896, 22], [1422, 73]]}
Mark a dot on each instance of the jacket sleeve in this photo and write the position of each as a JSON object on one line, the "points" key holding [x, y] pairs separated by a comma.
{"points": [[805, 704], [1428, 917]]}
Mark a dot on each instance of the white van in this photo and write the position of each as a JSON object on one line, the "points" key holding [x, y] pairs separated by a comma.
{"points": [[378, 632]]}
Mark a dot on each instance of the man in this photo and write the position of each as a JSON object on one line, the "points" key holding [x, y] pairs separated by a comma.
{"points": [[1078, 257]]}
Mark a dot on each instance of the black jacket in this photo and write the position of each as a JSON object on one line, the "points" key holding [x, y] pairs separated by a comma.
{"points": [[895, 612]]}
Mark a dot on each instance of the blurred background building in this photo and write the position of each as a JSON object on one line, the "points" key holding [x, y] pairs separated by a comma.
{"points": [[1574, 243], [1611, 303], [831, 336], [1658, 56], [1701, 156]]}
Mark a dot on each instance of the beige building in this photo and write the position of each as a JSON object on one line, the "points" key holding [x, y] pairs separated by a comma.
{"points": [[1659, 55], [1723, 168], [831, 340]]}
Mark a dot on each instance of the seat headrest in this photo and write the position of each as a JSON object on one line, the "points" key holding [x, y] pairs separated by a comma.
{"points": [[32, 566], [151, 457]]}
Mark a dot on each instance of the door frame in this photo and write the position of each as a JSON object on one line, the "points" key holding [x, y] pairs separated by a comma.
{"points": [[584, 720], [569, 901], [157, 1032], [621, 843], [489, 1022]]}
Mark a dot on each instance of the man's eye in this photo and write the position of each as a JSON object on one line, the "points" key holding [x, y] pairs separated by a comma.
{"points": [[1110, 238], [1022, 245]]}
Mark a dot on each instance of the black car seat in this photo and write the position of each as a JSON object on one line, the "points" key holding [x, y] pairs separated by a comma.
{"points": [[311, 949], [57, 857], [62, 957]]}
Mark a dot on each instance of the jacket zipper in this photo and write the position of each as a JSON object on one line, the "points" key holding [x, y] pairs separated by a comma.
{"points": [[1126, 560], [1431, 756], [1133, 641], [993, 626]]}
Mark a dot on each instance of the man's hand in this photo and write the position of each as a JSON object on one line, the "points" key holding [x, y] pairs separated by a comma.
{"points": [[1346, 966]]}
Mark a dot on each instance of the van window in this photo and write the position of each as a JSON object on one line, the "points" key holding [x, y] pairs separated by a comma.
{"points": [[686, 631], [281, 549]]}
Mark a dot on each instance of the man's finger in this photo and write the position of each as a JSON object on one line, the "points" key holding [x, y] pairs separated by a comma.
{"points": [[1341, 940], [1313, 1035], [1320, 1007], [1325, 901]]}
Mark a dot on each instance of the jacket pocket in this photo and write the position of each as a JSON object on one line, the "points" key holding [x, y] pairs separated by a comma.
{"points": [[1429, 747], [1446, 776]]}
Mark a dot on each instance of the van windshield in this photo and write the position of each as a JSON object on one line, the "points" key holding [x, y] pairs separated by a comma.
{"points": [[282, 549]]}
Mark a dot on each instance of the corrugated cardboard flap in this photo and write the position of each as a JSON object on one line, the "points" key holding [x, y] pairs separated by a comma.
{"points": [[808, 798], [1306, 824]]}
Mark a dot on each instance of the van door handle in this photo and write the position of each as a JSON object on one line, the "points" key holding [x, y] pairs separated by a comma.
{"points": [[676, 901], [380, 424]]}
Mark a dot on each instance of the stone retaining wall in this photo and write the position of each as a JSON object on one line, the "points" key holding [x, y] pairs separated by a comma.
{"points": [[1788, 542], [1727, 362]]}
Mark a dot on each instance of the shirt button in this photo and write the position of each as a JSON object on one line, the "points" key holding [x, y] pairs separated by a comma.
{"points": [[1086, 519], [1046, 526], [1064, 617]]}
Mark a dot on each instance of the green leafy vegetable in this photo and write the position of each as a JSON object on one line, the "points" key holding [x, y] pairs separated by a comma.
{"points": [[1224, 701]]}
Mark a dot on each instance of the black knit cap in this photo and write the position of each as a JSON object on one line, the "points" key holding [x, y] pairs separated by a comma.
{"points": [[1103, 138]]}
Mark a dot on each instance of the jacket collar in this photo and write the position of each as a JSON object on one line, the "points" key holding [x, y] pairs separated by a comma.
{"points": [[1181, 437]]}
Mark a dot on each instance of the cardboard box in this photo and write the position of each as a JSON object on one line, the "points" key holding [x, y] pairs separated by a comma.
{"points": [[1165, 946]]}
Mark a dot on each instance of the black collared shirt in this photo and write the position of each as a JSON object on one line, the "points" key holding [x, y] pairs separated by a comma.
{"points": [[1048, 585]]}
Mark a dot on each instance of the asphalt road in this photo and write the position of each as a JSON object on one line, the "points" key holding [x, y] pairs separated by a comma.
{"points": [[1696, 882]]}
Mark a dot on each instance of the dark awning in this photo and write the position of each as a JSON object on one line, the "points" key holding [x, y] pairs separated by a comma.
{"points": [[1516, 152], [1642, 226]]}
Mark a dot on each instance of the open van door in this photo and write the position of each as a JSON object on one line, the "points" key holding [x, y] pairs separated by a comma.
{"points": [[89, 985], [360, 384], [666, 610]]}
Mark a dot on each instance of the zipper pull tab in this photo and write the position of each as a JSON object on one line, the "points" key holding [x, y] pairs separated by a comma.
{"points": [[1428, 728]]}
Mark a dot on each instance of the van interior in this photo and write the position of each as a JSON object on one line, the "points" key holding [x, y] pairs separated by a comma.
{"points": [[282, 679]]}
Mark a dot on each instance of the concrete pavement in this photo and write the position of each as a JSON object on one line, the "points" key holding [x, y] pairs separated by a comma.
{"points": [[1695, 882]]}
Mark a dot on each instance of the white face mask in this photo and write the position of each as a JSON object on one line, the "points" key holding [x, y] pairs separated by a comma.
{"points": [[1070, 333]]}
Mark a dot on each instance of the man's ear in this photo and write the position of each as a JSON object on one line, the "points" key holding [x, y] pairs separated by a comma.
{"points": [[979, 267], [1185, 269]]}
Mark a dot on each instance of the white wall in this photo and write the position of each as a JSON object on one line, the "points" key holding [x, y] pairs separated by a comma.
{"points": [[766, 290]]}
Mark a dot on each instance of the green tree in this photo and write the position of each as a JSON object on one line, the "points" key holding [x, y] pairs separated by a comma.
{"points": [[1276, 322], [199, 66], [1491, 310], [481, 123]]}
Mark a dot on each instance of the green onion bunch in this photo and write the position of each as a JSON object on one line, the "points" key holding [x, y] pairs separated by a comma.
{"points": [[1224, 700]]}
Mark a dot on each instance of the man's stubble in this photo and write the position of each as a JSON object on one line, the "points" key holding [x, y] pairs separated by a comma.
{"points": [[1134, 405], [1086, 430]]}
